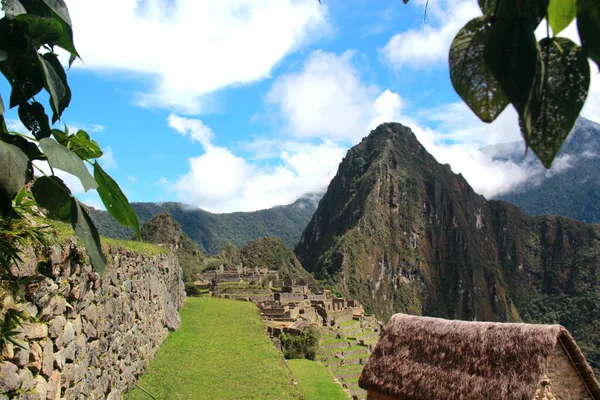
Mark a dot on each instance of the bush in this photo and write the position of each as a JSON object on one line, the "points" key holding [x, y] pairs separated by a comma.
{"points": [[301, 346], [192, 290]]}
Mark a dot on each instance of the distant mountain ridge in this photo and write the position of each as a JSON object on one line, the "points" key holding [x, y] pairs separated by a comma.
{"points": [[571, 188], [400, 232], [213, 231]]}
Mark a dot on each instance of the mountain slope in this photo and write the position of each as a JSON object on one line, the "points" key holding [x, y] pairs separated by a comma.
{"points": [[213, 231], [572, 189], [400, 232]]}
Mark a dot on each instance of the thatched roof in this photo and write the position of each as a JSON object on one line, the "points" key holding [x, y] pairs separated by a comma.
{"points": [[432, 358]]}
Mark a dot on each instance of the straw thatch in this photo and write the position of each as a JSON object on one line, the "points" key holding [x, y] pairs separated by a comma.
{"points": [[432, 358]]}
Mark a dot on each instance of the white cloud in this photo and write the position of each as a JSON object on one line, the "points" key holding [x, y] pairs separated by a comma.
{"points": [[191, 48], [220, 181], [428, 45], [108, 160], [328, 99]]}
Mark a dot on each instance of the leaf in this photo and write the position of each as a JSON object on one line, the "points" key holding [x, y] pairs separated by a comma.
{"points": [[588, 24], [83, 146], [13, 173], [64, 159], [60, 8], [115, 201], [87, 233], [29, 148], [34, 117], [12, 8], [560, 14], [531, 10], [41, 30], [51, 193], [487, 6], [59, 135], [56, 84], [26, 78], [471, 77], [2, 110], [512, 54], [563, 95]]}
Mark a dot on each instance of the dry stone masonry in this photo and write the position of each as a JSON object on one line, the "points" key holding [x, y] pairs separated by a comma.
{"points": [[90, 336]]}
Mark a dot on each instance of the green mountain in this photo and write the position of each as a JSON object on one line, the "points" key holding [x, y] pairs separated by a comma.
{"points": [[213, 231], [400, 232], [571, 188], [163, 230], [273, 253]]}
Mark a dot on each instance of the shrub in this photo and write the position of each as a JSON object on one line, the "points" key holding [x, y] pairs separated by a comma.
{"points": [[301, 346]]}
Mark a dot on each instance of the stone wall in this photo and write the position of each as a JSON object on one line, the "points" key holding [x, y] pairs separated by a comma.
{"points": [[90, 336], [561, 381]]}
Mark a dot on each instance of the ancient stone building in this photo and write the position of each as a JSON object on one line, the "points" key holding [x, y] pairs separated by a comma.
{"points": [[431, 358]]}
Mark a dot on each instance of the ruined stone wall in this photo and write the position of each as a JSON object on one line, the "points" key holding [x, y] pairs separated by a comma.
{"points": [[561, 381], [90, 336], [340, 315]]}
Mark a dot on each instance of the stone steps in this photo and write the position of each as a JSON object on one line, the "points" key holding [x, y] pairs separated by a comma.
{"points": [[354, 350]]}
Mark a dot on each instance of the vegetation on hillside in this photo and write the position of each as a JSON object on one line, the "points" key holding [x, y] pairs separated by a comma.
{"points": [[163, 230], [301, 346], [213, 231], [402, 233], [220, 352], [573, 191]]}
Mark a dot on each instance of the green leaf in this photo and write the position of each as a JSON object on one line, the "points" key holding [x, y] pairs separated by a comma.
{"points": [[115, 201], [2, 110], [512, 54], [12, 8], [83, 146], [60, 8], [14, 165], [59, 135], [471, 77], [487, 6], [54, 85], [26, 77], [87, 233], [51, 193], [64, 159], [34, 117], [563, 95], [29, 148], [560, 14], [531, 10], [41, 30], [66, 100], [588, 24]]}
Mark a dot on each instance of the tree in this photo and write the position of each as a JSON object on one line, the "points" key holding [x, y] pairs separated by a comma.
{"points": [[29, 33]]}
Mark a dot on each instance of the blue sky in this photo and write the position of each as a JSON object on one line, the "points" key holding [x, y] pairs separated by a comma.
{"points": [[240, 105]]}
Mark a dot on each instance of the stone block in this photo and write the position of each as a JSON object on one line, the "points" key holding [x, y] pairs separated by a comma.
{"points": [[35, 330], [8, 351], [67, 336], [47, 359], [56, 305], [56, 326], [25, 380], [9, 377], [21, 357]]}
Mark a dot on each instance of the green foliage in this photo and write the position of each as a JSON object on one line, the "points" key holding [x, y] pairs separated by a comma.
{"points": [[301, 346], [192, 290], [273, 253], [213, 231], [496, 59], [164, 231], [29, 32], [219, 352]]}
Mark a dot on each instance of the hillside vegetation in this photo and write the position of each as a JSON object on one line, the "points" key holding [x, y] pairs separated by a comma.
{"points": [[213, 231], [400, 232], [220, 352]]}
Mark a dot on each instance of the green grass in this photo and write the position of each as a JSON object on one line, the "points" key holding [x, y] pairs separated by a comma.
{"points": [[65, 232], [221, 351], [315, 382]]}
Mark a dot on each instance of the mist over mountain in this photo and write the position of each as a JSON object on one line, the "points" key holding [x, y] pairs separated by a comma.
{"points": [[401, 232], [213, 231], [570, 188]]}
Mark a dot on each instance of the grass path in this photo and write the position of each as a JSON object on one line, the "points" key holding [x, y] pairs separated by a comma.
{"points": [[220, 352], [315, 382]]}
